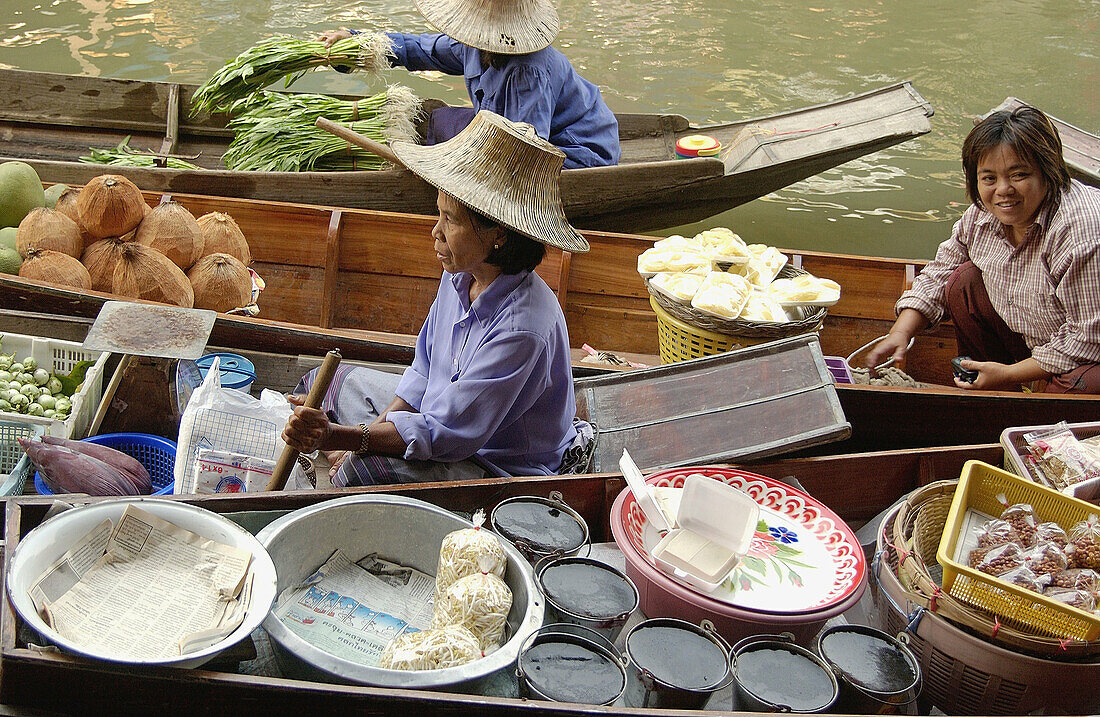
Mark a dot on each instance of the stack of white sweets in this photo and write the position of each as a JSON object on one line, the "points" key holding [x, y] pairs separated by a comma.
{"points": [[718, 274], [471, 605]]}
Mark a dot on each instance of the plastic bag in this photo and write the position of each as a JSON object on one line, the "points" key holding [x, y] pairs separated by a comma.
{"points": [[1083, 549], [1078, 579], [226, 419], [1022, 577], [480, 603], [1060, 459], [1075, 598], [1020, 516], [434, 649], [1045, 559], [464, 552], [1051, 532], [999, 560], [996, 532]]}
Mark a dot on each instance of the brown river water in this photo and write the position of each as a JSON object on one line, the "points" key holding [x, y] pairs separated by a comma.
{"points": [[710, 60]]}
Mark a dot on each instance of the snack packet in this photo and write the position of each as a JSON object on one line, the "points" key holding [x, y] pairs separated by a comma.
{"points": [[1083, 549], [999, 560], [1078, 579], [1075, 598], [433, 649], [464, 551], [1045, 559], [1020, 516], [996, 532], [1051, 532], [1022, 577], [1061, 459], [478, 602]]}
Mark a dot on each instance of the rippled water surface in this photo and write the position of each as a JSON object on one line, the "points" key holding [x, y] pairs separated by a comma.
{"points": [[710, 60]]}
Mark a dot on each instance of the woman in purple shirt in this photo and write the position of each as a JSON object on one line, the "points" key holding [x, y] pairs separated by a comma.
{"points": [[503, 51], [490, 390]]}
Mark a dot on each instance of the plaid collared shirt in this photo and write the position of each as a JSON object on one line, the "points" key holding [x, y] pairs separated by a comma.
{"points": [[1047, 289]]}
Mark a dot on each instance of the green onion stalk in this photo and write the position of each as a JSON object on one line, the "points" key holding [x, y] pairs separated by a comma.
{"points": [[126, 156], [275, 132], [287, 58]]}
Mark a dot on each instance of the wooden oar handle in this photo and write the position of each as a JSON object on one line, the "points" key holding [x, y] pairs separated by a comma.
{"points": [[359, 140], [316, 394]]}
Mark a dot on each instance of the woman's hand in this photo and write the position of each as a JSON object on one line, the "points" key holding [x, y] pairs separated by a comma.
{"points": [[330, 36], [993, 376], [893, 346], [307, 429]]}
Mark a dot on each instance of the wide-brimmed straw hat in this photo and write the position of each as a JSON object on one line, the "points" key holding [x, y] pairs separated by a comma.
{"points": [[503, 170], [508, 27]]}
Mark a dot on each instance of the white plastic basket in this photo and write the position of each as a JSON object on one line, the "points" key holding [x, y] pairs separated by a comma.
{"points": [[59, 356]]}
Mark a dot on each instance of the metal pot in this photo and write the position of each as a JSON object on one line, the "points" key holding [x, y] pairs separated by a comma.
{"points": [[862, 696], [607, 625], [746, 699], [568, 634], [404, 530], [644, 689], [531, 550]]}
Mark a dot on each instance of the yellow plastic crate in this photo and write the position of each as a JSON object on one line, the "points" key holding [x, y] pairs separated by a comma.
{"points": [[979, 485], [679, 341]]}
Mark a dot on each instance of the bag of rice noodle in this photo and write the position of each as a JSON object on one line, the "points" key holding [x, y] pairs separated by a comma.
{"points": [[462, 551], [480, 603], [434, 649]]}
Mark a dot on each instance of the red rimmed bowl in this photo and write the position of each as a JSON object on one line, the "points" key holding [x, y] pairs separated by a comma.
{"points": [[804, 567]]}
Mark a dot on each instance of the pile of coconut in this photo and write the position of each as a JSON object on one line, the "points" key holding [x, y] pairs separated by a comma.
{"points": [[106, 238]]}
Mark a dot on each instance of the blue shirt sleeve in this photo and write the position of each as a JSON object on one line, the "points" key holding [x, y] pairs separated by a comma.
{"points": [[415, 379], [505, 377], [428, 52]]}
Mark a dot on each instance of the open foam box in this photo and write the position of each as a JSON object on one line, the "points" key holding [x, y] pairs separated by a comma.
{"points": [[712, 529]]}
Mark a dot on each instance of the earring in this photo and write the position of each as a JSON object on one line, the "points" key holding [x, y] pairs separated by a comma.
{"points": [[496, 246]]}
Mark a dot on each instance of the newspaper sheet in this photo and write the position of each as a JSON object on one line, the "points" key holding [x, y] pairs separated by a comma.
{"points": [[353, 610], [973, 520], [156, 590]]}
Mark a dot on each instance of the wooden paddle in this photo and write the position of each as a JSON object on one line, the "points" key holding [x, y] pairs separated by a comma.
{"points": [[353, 137], [316, 394]]}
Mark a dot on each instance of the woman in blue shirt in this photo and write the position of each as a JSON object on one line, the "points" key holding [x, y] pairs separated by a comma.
{"points": [[490, 390], [505, 56]]}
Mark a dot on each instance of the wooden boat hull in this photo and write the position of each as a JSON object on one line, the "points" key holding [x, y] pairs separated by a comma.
{"points": [[856, 487], [58, 117], [330, 271]]}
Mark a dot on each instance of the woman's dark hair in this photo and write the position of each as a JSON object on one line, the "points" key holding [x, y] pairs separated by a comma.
{"points": [[517, 253], [496, 60], [1031, 135]]}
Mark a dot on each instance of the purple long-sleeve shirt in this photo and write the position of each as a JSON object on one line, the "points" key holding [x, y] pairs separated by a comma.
{"points": [[541, 89], [491, 378]]}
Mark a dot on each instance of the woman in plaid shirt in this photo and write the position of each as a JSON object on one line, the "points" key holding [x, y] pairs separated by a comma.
{"points": [[1020, 275]]}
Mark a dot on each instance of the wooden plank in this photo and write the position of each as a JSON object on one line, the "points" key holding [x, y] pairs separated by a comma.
{"points": [[332, 268]]}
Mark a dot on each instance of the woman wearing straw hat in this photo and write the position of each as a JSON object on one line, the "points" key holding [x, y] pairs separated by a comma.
{"points": [[502, 48], [490, 390]]}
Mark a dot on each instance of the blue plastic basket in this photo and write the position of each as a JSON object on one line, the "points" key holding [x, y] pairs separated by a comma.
{"points": [[157, 454]]}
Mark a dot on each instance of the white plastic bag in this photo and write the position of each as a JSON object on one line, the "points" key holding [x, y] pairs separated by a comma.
{"points": [[226, 419]]}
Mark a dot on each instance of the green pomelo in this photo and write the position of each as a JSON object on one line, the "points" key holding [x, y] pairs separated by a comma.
{"points": [[53, 192], [10, 261], [20, 191], [7, 237]]}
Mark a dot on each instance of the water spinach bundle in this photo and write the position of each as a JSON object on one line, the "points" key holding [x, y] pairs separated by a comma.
{"points": [[286, 58], [275, 132]]}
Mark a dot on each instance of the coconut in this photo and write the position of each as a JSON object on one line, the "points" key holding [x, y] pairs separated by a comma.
{"points": [[55, 268], [100, 259], [110, 206], [68, 204], [174, 232], [48, 229], [223, 236], [221, 283], [144, 273]]}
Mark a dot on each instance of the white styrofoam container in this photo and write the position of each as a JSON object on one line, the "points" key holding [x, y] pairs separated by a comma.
{"points": [[57, 356]]}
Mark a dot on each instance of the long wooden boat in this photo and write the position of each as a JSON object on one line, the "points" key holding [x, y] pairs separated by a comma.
{"points": [[857, 487], [330, 271], [50, 120]]}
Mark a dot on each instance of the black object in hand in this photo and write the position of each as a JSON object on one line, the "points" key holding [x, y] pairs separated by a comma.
{"points": [[963, 374]]}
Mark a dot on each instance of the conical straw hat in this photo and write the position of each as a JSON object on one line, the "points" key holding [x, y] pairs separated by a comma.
{"points": [[508, 27], [504, 170]]}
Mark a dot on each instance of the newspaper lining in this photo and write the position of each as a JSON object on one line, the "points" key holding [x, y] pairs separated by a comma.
{"points": [[973, 520], [147, 589], [353, 610]]}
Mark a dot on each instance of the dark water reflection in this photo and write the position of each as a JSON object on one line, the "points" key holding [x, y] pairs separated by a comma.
{"points": [[710, 60]]}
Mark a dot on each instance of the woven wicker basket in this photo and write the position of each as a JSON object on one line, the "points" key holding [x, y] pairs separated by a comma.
{"points": [[916, 537], [812, 316]]}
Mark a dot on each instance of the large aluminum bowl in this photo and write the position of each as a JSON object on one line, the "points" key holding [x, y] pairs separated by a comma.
{"points": [[49, 541], [405, 531]]}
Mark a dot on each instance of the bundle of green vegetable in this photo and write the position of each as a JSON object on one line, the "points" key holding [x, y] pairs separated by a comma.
{"points": [[125, 155], [274, 132], [286, 57]]}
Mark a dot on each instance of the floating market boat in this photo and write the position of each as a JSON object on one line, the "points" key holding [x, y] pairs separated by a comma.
{"points": [[856, 487], [328, 270], [53, 119]]}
